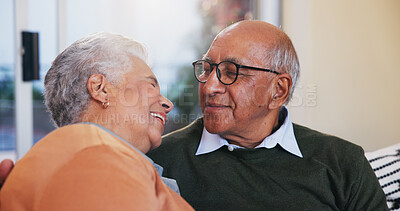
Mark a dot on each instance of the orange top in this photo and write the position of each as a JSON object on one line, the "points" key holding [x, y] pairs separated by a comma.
{"points": [[83, 167]]}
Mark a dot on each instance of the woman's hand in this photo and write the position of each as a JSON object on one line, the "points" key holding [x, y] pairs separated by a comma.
{"points": [[5, 168]]}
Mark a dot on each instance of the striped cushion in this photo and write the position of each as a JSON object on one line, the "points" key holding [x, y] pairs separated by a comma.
{"points": [[386, 164]]}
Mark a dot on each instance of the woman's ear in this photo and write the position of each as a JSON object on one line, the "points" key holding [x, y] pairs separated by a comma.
{"points": [[96, 85], [283, 84]]}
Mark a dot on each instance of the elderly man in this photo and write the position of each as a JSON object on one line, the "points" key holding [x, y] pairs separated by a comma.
{"points": [[245, 153]]}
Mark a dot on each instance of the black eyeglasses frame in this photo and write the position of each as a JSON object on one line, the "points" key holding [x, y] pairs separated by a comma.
{"points": [[238, 66]]}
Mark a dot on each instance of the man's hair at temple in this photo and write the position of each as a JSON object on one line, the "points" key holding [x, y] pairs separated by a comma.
{"points": [[283, 59], [66, 94]]}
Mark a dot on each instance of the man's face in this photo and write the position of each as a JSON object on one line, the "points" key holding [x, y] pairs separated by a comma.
{"points": [[241, 108], [139, 108]]}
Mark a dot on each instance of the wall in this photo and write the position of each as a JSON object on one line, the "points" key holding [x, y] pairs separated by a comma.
{"points": [[349, 52]]}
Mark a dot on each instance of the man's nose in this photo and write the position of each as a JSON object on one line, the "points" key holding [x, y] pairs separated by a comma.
{"points": [[166, 104], [213, 85]]}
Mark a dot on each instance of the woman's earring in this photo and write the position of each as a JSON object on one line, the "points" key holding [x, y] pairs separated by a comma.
{"points": [[106, 104]]}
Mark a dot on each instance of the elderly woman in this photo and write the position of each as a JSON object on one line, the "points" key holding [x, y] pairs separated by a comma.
{"points": [[107, 104]]}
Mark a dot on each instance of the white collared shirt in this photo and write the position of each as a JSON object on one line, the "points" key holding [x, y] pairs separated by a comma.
{"points": [[284, 136]]}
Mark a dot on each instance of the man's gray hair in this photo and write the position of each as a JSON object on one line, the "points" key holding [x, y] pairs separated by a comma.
{"points": [[66, 94], [283, 59]]}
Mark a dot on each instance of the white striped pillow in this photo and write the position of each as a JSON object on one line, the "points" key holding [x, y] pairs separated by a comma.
{"points": [[386, 165]]}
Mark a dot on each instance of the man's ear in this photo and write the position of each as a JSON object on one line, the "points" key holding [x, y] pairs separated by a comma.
{"points": [[281, 91], [96, 85]]}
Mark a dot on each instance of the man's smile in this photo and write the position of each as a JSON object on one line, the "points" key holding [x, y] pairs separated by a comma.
{"points": [[214, 107]]}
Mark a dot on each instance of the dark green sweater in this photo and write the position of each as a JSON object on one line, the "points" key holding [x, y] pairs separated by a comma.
{"points": [[332, 175]]}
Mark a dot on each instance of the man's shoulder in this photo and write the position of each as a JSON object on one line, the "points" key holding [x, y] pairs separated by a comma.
{"points": [[310, 135], [191, 131], [313, 142], [346, 165], [335, 154]]}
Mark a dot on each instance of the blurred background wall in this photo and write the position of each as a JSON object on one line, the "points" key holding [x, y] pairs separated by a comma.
{"points": [[349, 53]]}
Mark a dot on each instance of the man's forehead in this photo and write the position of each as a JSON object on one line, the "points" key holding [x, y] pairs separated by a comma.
{"points": [[249, 33], [253, 27], [237, 51], [237, 60]]}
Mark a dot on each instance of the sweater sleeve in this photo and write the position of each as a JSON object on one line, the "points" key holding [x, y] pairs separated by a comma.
{"points": [[367, 193], [101, 179]]}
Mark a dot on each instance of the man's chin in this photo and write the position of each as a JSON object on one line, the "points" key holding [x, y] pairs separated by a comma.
{"points": [[221, 117], [214, 127]]}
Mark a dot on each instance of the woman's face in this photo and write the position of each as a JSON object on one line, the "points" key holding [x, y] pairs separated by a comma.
{"points": [[137, 110]]}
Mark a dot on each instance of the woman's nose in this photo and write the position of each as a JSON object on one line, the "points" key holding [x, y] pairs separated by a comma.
{"points": [[166, 104]]}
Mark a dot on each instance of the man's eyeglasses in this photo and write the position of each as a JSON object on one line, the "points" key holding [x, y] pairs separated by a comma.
{"points": [[227, 72]]}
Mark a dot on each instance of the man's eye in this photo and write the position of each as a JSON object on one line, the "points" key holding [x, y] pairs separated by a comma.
{"points": [[207, 70], [230, 74]]}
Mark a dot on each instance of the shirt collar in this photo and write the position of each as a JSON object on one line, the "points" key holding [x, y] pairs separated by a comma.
{"points": [[284, 136]]}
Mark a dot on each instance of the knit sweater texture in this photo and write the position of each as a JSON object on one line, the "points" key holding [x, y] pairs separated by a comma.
{"points": [[332, 175]]}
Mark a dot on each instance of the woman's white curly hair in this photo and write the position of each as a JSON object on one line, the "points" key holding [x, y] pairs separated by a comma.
{"points": [[66, 94]]}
